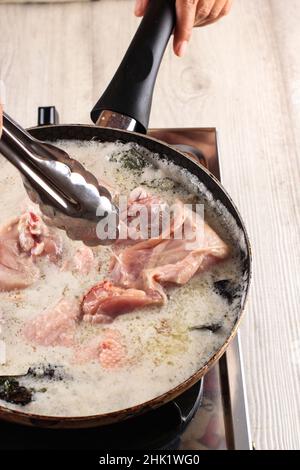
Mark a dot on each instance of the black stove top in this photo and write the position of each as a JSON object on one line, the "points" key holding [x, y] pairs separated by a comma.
{"points": [[157, 429]]}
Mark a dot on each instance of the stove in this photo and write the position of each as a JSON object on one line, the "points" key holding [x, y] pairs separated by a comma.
{"points": [[211, 415], [221, 422], [138, 433]]}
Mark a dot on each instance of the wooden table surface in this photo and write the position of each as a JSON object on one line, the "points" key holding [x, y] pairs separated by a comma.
{"points": [[241, 75]]}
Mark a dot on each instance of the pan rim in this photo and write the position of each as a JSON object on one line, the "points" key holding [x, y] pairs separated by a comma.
{"points": [[156, 402]]}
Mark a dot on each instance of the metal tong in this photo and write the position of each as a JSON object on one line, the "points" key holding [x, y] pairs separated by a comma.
{"points": [[69, 196]]}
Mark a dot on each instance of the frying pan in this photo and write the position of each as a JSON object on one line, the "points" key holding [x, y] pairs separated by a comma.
{"points": [[122, 114]]}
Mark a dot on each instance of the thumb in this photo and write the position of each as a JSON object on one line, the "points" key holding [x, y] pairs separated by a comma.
{"points": [[185, 13]]}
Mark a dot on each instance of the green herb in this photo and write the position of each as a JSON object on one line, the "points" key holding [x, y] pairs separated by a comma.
{"points": [[12, 392], [213, 327], [130, 160], [226, 289], [48, 371], [165, 184]]}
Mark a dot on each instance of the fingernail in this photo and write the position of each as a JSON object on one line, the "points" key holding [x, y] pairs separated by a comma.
{"points": [[181, 49]]}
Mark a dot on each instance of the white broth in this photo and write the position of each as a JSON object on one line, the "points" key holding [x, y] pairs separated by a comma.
{"points": [[162, 347]]}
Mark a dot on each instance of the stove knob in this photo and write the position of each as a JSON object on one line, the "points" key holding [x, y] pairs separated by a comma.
{"points": [[47, 116]]}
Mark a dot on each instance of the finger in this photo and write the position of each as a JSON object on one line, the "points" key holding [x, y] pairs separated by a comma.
{"points": [[203, 10], [220, 8], [227, 8], [207, 23], [185, 13], [140, 7]]}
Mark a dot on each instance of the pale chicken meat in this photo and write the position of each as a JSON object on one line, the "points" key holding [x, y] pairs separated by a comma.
{"points": [[105, 301], [36, 239], [108, 348], [17, 270], [81, 261], [139, 201], [22, 240], [142, 269], [55, 327]]}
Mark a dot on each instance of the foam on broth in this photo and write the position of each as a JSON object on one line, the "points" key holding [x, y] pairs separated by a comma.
{"points": [[162, 348]]}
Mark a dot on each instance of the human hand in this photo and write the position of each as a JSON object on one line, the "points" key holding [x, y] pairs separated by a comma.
{"points": [[190, 13]]}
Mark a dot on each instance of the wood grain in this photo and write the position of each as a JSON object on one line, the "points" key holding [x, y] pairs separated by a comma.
{"points": [[241, 75]]}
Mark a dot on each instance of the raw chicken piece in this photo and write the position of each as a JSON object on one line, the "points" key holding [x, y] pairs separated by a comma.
{"points": [[139, 200], [173, 261], [156, 261], [82, 261], [17, 270], [109, 350], [55, 327], [88, 351], [21, 241], [36, 239], [140, 268], [105, 301], [112, 354]]}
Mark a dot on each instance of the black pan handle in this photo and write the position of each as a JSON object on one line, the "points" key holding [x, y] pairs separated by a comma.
{"points": [[130, 92]]}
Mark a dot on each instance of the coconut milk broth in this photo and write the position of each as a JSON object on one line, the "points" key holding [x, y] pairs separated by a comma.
{"points": [[162, 349]]}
